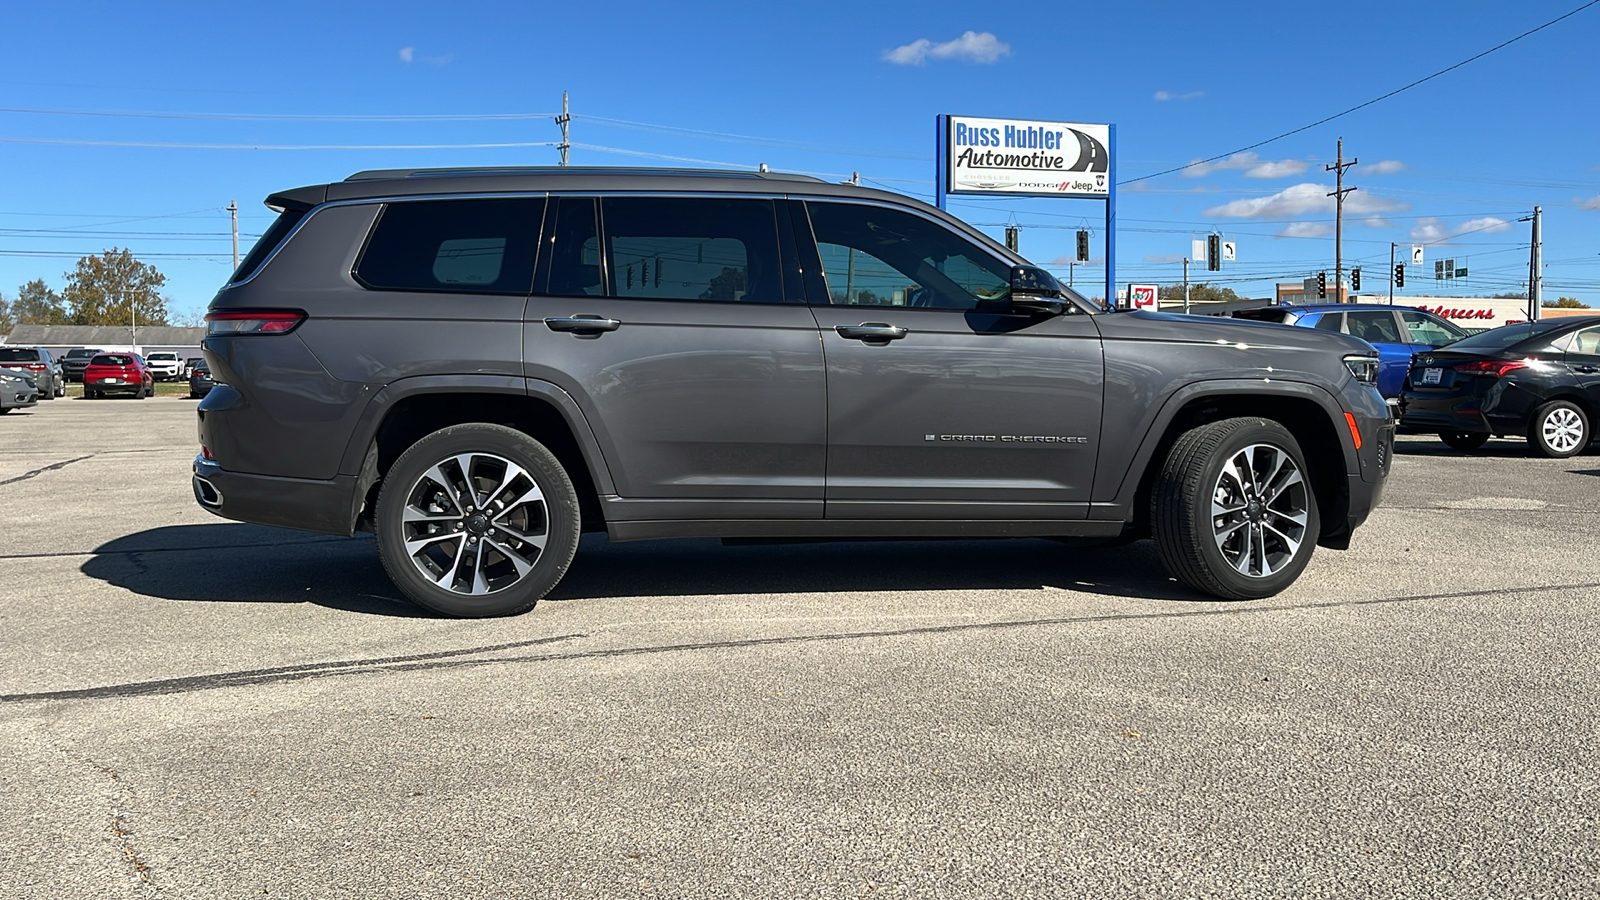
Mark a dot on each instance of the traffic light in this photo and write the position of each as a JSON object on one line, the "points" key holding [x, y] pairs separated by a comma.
{"points": [[1399, 274], [1355, 279], [1083, 246], [1322, 285], [1214, 252], [1011, 238]]}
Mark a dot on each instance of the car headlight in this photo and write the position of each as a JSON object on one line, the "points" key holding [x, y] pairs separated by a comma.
{"points": [[1364, 368]]}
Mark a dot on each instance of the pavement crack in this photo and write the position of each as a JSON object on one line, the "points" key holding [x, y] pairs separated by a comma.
{"points": [[129, 852], [43, 469], [451, 659]]}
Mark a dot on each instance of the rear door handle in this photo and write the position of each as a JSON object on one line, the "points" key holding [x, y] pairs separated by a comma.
{"points": [[582, 326], [872, 331]]}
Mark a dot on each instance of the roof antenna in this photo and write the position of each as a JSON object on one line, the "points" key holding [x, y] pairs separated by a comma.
{"points": [[763, 168]]}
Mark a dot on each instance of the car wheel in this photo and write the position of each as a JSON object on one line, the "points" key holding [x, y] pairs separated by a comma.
{"points": [[477, 520], [61, 388], [138, 393], [1559, 429], [1232, 511], [1463, 440]]}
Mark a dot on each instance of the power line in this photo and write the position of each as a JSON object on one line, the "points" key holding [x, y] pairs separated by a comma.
{"points": [[1360, 106], [275, 117], [173, 145]]}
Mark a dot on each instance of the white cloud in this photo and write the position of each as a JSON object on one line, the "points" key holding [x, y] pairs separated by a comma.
{"points": [[1427, 229], [970, 47], [1306, 230], [407, 54], [1175, 95], [1299, 199], [1485, 225], [1163, 260], [1591, 203], [1384, 167], [1281, 169], [1254, 166], [1377, 222]]}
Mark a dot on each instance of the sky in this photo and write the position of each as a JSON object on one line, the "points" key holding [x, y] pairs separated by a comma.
{"points": [[134, 125]]}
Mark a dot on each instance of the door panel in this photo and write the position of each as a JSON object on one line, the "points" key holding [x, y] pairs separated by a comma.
{"points": [[942, 403], [969, 415], [704, 408], [1583, 361]]}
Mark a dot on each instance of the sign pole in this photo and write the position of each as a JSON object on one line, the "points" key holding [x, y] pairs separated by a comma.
{"points": [[941, 126], [1111, 219]]}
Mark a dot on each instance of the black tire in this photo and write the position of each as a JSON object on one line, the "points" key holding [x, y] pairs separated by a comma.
{"points": [[1463, 440], [407, 480], [1186, 534], [1559, 429]]}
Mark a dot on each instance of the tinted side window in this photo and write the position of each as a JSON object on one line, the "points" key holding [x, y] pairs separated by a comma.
{"points": [[671, 248], [873, 256], [453, 246], [1330, 322], [570, 266], [267, 243], [1374, 326], [1585, 342]]}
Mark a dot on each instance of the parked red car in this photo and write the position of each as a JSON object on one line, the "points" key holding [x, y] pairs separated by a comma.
{"points": [[111, 373]]}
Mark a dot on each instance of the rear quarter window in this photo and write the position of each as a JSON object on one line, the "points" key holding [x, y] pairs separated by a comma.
{"points": [[469, 246], [269, 242]]}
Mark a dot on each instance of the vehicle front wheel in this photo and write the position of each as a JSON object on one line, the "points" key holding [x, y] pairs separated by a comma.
{"points": [[1232, 511], [1559, 429], [477, 520], [1463, 440]]}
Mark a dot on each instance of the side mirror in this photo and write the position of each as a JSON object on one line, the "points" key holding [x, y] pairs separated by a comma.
{"points": [[1037, 291]]}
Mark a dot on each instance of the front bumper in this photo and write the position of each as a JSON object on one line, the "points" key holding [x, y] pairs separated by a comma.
{"points": [[327, 507]]}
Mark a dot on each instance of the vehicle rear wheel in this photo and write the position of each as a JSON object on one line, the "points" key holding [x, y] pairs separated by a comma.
{"points": [[1232, 512], [1463, 440], [138, 393], [477, 520], [1558, 429]]}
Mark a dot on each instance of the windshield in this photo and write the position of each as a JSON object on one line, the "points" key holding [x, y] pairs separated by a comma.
{"points": [[18, 354], [162, 357], [1504, 336], [108, 359], [80, 354]]}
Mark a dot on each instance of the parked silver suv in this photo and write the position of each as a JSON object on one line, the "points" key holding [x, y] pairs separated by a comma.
{"points": [[479, 364]]}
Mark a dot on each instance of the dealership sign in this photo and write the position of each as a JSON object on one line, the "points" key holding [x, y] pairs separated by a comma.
{"points": [[1022, 156]]}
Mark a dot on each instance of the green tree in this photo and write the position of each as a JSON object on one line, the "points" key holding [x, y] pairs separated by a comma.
{"points": [[106, 289], [1565, 303], [6, 322], [1199, 292], [37, 304]]}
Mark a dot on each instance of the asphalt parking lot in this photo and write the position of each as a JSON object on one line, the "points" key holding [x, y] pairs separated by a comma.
{"points": [[196, 708]]}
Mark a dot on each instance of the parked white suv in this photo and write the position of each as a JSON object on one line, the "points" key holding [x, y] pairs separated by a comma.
{"points": [[165, 366]]}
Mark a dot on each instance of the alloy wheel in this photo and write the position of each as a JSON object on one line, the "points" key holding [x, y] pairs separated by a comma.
{"points": [[475, 523], [1259, 510]]}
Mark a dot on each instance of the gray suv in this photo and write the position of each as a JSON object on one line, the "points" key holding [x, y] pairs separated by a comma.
{"points": [[478, 364]]}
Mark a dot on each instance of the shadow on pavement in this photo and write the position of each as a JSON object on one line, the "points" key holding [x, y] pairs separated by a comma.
{"points": [[705, 566], [238, 563], [1497, 448]]}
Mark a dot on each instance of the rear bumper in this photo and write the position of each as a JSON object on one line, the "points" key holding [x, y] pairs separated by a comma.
{"points": [[307, 504]]}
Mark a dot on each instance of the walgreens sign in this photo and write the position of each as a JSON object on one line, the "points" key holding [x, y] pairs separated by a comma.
{"points": [[1469, 312]]}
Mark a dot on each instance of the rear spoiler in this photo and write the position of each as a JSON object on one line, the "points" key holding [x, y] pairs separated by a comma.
{"points": [[299, 199]]}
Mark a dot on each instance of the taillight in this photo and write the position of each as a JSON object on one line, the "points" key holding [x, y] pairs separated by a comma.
{"points": [[1493, 367], [36, 367], [253, 321]]}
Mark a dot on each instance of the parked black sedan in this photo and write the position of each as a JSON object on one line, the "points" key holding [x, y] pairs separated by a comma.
{"points": [[200, 382], [1539, 380]]}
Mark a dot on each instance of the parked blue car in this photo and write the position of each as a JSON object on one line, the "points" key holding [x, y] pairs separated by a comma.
{"points": [[1397, 332]]}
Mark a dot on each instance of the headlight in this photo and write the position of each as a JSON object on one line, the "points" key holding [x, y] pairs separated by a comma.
{"points": [[1364, 368]]}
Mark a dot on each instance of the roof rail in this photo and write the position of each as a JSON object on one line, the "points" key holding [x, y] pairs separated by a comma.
{"points": [[489, 171]]}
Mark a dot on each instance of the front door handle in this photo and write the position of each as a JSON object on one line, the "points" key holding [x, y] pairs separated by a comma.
{"points": [[1588, 369], [871, 331], [582, 326]]}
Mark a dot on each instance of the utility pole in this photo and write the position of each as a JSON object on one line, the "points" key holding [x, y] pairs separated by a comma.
{"points": [[133, 317], [1185, 286], [1338, 219], [562, 120], [1391, 273], [233, 211], [1536, 271]]}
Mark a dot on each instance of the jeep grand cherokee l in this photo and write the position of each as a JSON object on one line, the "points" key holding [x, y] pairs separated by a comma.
{"points": [[477, 365]]}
